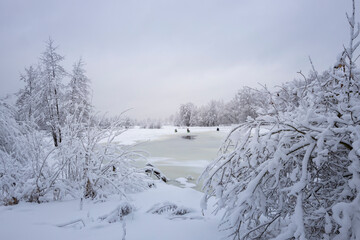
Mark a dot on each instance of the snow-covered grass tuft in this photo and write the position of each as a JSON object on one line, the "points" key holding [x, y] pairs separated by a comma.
{"points": [[120, 212]]}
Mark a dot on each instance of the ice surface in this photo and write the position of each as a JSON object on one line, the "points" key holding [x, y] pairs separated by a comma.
{"points": [[177, 157], [184, 182]]}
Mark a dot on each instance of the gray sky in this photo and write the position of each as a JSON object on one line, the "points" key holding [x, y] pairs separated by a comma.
{"points": [[154, 55]]}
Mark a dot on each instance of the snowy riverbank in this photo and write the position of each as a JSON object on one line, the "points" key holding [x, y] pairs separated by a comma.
{"points": [[41, 221]]}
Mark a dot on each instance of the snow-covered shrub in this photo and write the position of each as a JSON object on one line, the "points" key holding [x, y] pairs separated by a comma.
{"points": [[152, 171], [92, 164], [295, 172], [24, 171], [118, 214], [87, 163], [9, 129], [108, 166]]}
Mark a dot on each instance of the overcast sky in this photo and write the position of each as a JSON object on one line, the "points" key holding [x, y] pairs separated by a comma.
{"points": [[154, 55]]}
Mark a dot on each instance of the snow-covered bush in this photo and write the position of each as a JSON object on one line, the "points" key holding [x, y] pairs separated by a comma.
{"points": [[294, 173], [88, 163], [107, 166], [24, 171]]}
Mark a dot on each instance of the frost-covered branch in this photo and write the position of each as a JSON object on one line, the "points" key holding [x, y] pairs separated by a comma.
{"points": [[294, 172]]}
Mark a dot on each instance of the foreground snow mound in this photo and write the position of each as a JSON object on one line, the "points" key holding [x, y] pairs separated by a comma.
{"points": [[161, 213]]}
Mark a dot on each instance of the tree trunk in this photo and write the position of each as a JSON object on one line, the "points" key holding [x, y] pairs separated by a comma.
{"points": [[54, 137]]}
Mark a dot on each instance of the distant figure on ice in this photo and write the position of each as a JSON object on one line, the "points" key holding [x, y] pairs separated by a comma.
{"points": [[175, 130], [217, 129], [188, 130]]}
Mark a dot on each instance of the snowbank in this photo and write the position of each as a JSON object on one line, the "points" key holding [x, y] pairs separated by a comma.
{"points": [[42, 221]]}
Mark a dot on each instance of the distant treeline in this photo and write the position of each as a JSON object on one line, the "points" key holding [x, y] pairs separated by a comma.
{"points": [[246, 103]]}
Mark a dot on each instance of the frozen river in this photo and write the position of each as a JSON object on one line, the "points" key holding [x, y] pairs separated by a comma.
{"points": [[181, 155]]}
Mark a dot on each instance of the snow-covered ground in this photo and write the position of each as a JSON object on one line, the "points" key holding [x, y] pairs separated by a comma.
{"points": [[47, 220], [43, 221], [137, 134]]}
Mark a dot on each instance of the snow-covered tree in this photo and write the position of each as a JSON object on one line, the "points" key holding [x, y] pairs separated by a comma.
{"points": [[221, 113], [79, 92], [25, 101], [185, 113], [195, 116], [151, 123], [49, 96], [209, 115], [245, 104], [295, 172], [81, 159], [177, 119]]}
